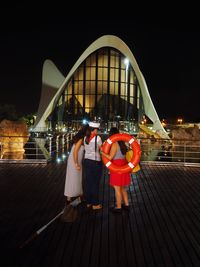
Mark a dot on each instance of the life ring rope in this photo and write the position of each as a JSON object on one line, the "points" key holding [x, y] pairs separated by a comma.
{"points": [[108, 164], [131, 141], [109, 141], [131, 165]]}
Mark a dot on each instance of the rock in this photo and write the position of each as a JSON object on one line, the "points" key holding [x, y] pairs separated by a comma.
{"points": [[186, 142], [187, 134], [13, 136]]}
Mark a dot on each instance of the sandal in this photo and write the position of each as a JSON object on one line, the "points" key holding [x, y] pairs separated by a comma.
{"points": [[89, 206], [97, 207]]}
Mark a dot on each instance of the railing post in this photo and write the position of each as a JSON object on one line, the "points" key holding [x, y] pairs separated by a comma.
{"points": [[50, 146], [57, 145], [1, 150], [184, 153], [36, 151]]}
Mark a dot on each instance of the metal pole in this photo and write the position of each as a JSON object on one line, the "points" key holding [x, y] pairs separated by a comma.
{"points": [[39, 231]]}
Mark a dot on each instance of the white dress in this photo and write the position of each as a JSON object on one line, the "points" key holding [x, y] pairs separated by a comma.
{"points": [[73, 181]]}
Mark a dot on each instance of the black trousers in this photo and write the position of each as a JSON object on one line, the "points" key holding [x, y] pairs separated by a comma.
{"points": [[93, 172]]}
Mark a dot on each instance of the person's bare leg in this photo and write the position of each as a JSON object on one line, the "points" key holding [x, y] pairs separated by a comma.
{"points": [[118, 197], [124, 196], [67, 200]]}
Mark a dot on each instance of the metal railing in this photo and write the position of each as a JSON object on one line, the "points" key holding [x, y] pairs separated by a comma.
{"points": [[170, 150], [57, 147], [34, 149]]}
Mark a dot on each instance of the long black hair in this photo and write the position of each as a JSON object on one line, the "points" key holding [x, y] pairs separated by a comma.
{"points": [[122, 145], [80, 134], [88, 134]]}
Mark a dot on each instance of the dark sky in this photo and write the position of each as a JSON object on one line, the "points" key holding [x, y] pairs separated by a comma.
{"points": [[166, 48]]}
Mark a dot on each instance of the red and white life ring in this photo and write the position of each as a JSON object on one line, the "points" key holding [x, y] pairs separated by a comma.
{"points": [[136, 152]]}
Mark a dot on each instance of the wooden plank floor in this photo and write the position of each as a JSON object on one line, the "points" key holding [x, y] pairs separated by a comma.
{"points": [[162, 228]]}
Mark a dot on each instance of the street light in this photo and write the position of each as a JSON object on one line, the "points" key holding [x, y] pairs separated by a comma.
{"points": [[179, 120], [126, 62]]}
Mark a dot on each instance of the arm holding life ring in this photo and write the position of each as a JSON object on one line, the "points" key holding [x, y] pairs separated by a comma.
{"points": [[136, 153], [112, 152]]}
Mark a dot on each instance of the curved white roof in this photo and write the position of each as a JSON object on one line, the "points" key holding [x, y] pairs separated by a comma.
{"points": [[113, 42], [52, 79]]}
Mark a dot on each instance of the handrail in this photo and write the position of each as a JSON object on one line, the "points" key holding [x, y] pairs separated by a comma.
{"points": [[58, 146]]}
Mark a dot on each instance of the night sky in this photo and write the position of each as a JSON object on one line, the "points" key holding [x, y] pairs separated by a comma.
{"points": [[166, 48]]}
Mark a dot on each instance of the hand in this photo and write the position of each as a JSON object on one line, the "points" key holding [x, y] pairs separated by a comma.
{"points": [[102, 153], [78, 167], [101, 149]]}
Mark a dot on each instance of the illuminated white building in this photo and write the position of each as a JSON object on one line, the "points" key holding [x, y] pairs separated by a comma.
{"points": [[105, 84]]}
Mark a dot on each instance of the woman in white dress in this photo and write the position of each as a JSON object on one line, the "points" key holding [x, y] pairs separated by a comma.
{"points": [[73, 182]]}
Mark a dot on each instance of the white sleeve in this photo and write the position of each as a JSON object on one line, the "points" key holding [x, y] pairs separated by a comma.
{"points": [[99, 141]]}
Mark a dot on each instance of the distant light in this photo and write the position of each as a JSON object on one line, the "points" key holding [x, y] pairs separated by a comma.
{"points": [[180, 120], [63, 156], [58, 160], [85, 121], [126, 62]]}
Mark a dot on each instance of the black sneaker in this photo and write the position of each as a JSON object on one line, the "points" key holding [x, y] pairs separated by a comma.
{"points": [[125, 207], [116, 210]]}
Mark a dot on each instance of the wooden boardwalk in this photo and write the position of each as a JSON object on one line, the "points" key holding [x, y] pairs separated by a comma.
{"points": [[162, 228]]}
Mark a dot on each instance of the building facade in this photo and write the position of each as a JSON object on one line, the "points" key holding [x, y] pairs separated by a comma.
{"points": [[105, 85]]}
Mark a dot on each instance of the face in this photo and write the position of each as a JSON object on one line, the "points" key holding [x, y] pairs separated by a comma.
{"points": [[95, 131]]}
